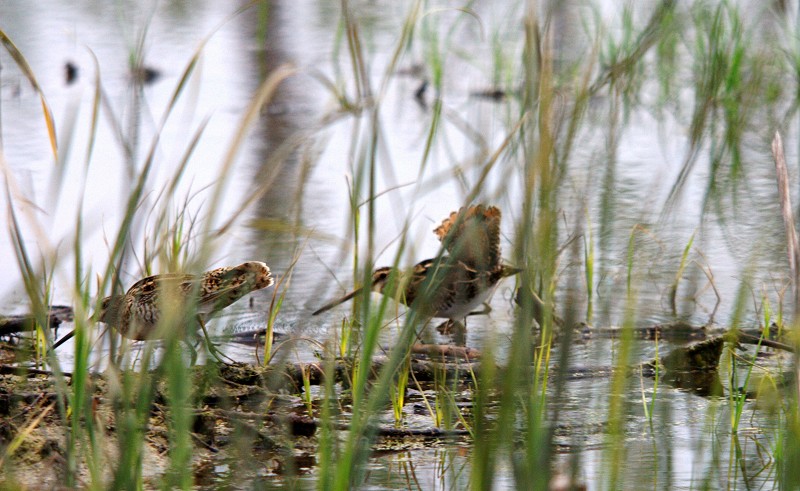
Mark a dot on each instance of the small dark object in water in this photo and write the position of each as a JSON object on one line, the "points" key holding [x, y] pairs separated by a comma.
{"points": [[415, 70], [302, 425], [692, 368], [255, 337], [495, 94], [70, 72], [419, 94], [703, 384], [145, 75]]}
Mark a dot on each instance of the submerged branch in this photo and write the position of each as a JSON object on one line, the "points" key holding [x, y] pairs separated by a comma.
{"points": [[14, 324]]}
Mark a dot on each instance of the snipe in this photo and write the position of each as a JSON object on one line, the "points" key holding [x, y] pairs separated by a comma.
{"points": [[137, 314], [450, 286]]}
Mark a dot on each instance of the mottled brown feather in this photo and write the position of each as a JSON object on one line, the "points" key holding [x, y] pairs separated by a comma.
{"points": [[449, 287], [472, 235], [137, 313], [440, 288]]}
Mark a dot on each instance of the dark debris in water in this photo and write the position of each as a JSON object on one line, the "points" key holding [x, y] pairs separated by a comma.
{"points": [[692, 368], [70, 72], [15, 324], [703, 356]]}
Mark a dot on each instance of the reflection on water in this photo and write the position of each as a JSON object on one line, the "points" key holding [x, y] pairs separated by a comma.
{"points": [[306, 211]]}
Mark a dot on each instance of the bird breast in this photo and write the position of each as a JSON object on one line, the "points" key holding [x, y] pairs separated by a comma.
{"points": [[457, 311]]}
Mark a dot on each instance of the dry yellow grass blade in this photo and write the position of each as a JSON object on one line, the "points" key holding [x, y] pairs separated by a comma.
{"points": [[792, 247], [16, 54], [262, 96], [23, 435]]}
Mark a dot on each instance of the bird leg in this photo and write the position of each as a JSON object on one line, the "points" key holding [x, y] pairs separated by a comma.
{"points": [[212, 349], [454, 329], [192, 354], [485, 311]]}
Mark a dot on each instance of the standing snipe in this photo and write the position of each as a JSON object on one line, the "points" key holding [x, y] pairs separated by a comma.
{"points": [[448, 286], [136, 314]]}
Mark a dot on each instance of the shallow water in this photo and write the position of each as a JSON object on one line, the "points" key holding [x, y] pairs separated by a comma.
{"points": [[307, 209]]}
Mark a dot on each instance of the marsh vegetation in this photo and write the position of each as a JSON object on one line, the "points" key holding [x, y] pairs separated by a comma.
{"points": [[629, 147]]}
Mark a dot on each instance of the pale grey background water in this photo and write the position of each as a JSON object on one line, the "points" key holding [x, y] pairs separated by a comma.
{"points": [[310, 193]]}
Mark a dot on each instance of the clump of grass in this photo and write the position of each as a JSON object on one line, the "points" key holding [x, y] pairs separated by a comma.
{"points": [[398, 390], [673, 289]]}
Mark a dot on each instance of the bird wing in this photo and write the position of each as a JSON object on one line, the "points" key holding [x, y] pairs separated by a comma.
{"points": [[437, 285], [223, 286], [214, 290], [472, 236], [141, 303], [152, 285]]}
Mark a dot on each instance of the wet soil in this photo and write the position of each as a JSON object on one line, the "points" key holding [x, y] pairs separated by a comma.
{"points": [[273, 410], [233, 404]]}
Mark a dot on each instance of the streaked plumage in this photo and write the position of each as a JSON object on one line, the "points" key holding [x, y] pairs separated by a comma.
{"points": [[451, 286], [136, 314], [472, 234]]}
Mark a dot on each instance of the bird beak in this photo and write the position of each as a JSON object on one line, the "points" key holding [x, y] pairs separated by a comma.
{"points": [[510, 271], [336, 302], [95, 316], [63, 340]]}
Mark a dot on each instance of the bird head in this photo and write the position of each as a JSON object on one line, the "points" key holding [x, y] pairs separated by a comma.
{"points": [[257, 272], [380, 277], [109, 310]]}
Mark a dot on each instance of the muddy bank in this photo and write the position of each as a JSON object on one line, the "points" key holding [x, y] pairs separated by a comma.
{"points": [[271, 413], [234, 407]]}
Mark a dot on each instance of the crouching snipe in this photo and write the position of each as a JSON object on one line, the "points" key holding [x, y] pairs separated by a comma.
{"points": [[138, 314]]}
